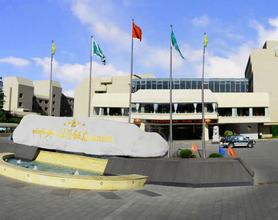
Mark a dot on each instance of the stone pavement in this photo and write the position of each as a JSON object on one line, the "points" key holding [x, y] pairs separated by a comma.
{"points": [[26, 201]]}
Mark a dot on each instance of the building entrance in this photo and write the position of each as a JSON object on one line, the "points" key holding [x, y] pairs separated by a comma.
{"points": [[180, 132]]}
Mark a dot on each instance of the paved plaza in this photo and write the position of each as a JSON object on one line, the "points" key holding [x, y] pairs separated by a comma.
{"points": [[26, 201]]}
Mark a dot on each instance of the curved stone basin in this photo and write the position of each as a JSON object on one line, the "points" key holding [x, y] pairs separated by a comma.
{"points": [[89, 179]]}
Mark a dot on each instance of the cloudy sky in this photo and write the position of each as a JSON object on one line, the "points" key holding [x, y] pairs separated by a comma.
{"points": [[234, 28]]}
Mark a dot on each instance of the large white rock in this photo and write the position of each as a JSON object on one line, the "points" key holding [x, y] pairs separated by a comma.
{"points": [[89, 135]]}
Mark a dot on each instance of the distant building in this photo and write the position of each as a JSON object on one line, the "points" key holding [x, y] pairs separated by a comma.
{"points": [[23, 96]]}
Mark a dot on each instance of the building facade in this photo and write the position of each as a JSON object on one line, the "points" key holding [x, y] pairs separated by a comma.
{"points": [[228, 104], [23, 96], [262, 74]]}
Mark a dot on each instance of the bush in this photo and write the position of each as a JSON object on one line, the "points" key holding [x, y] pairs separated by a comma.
{"points": [[215, 155], [228, 133], [185, 153]]}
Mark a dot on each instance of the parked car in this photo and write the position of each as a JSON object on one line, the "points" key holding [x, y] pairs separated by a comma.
{"points": [[238, 141]]}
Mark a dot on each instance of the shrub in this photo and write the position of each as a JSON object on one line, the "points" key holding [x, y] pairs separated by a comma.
{"points": [[228, 133], [185, 153], [215, 155]]}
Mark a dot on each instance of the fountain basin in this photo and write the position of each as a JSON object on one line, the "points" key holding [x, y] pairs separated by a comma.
{"points": [[89, 177]]}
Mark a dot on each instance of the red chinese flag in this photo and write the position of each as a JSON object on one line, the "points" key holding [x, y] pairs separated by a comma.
{"points": [[136, 31]]}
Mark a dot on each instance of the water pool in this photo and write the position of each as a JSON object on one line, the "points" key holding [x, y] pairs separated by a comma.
{"points": [[39, 166]]}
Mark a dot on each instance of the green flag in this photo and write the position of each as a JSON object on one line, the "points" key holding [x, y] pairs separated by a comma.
{"points": [[205, 40], [175, 44], [53, 48], [98, 52]]}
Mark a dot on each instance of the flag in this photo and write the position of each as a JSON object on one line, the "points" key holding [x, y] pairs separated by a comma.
{"points": [[205, 40], [53, 48], [98, 52], [136, 31], [175, 44]]}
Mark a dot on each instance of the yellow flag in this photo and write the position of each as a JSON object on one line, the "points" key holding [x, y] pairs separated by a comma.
{"points": [[53, 48], [205, 40]]}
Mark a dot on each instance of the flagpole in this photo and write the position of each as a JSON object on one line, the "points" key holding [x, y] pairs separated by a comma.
{"points": [[130, 83], [90, 77], [50, 84], [171, 121], [203, 106]]}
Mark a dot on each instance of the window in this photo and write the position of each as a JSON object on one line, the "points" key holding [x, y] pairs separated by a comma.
{"points": [[153, 84], [20, 95], [20, 104], [53, 102], [54, 95], [46, 101], [40, 101], [45, 109]]}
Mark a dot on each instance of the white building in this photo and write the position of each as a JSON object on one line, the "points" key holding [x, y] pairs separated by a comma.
{"points": [[23, 96]]}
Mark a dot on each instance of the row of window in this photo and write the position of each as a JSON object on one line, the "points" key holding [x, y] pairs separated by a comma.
{"points": [[182, 108], [215, 85]]}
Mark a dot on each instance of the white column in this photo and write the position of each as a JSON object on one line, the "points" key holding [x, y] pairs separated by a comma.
{"points": [[266, 112], [175, 107], [206, 132], [137, 107], [108, 110], [123, 111], [195, 107], [234, 112], [250, 112], [155, 107], [214, 107]]}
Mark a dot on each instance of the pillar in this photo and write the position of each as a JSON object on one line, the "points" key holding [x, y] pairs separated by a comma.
{"points": [[234, 112], [137, 107], [266, 112], [206, 132], [195, 108], [250, 112], [155, 107], [123, 111], [214, 107], [108, 109], [175, 107]]}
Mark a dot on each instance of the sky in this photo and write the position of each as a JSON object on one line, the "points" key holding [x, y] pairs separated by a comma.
{"points": [[234, 28]]}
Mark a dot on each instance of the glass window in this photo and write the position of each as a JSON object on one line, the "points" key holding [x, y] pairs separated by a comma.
{"points": [[194, 85], [222, 86], [159, 85], [237, 86], [233, 86], [188, 85], [149, 86], [211, 86], [199, 84], [176, 84], [216, 87], [182, 84], [165, 84], [153, 84], [228, 86]]}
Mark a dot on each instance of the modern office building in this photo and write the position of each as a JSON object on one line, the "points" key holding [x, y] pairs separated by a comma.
{"points": [[23, 96], [247, 106], [228, 105]]}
